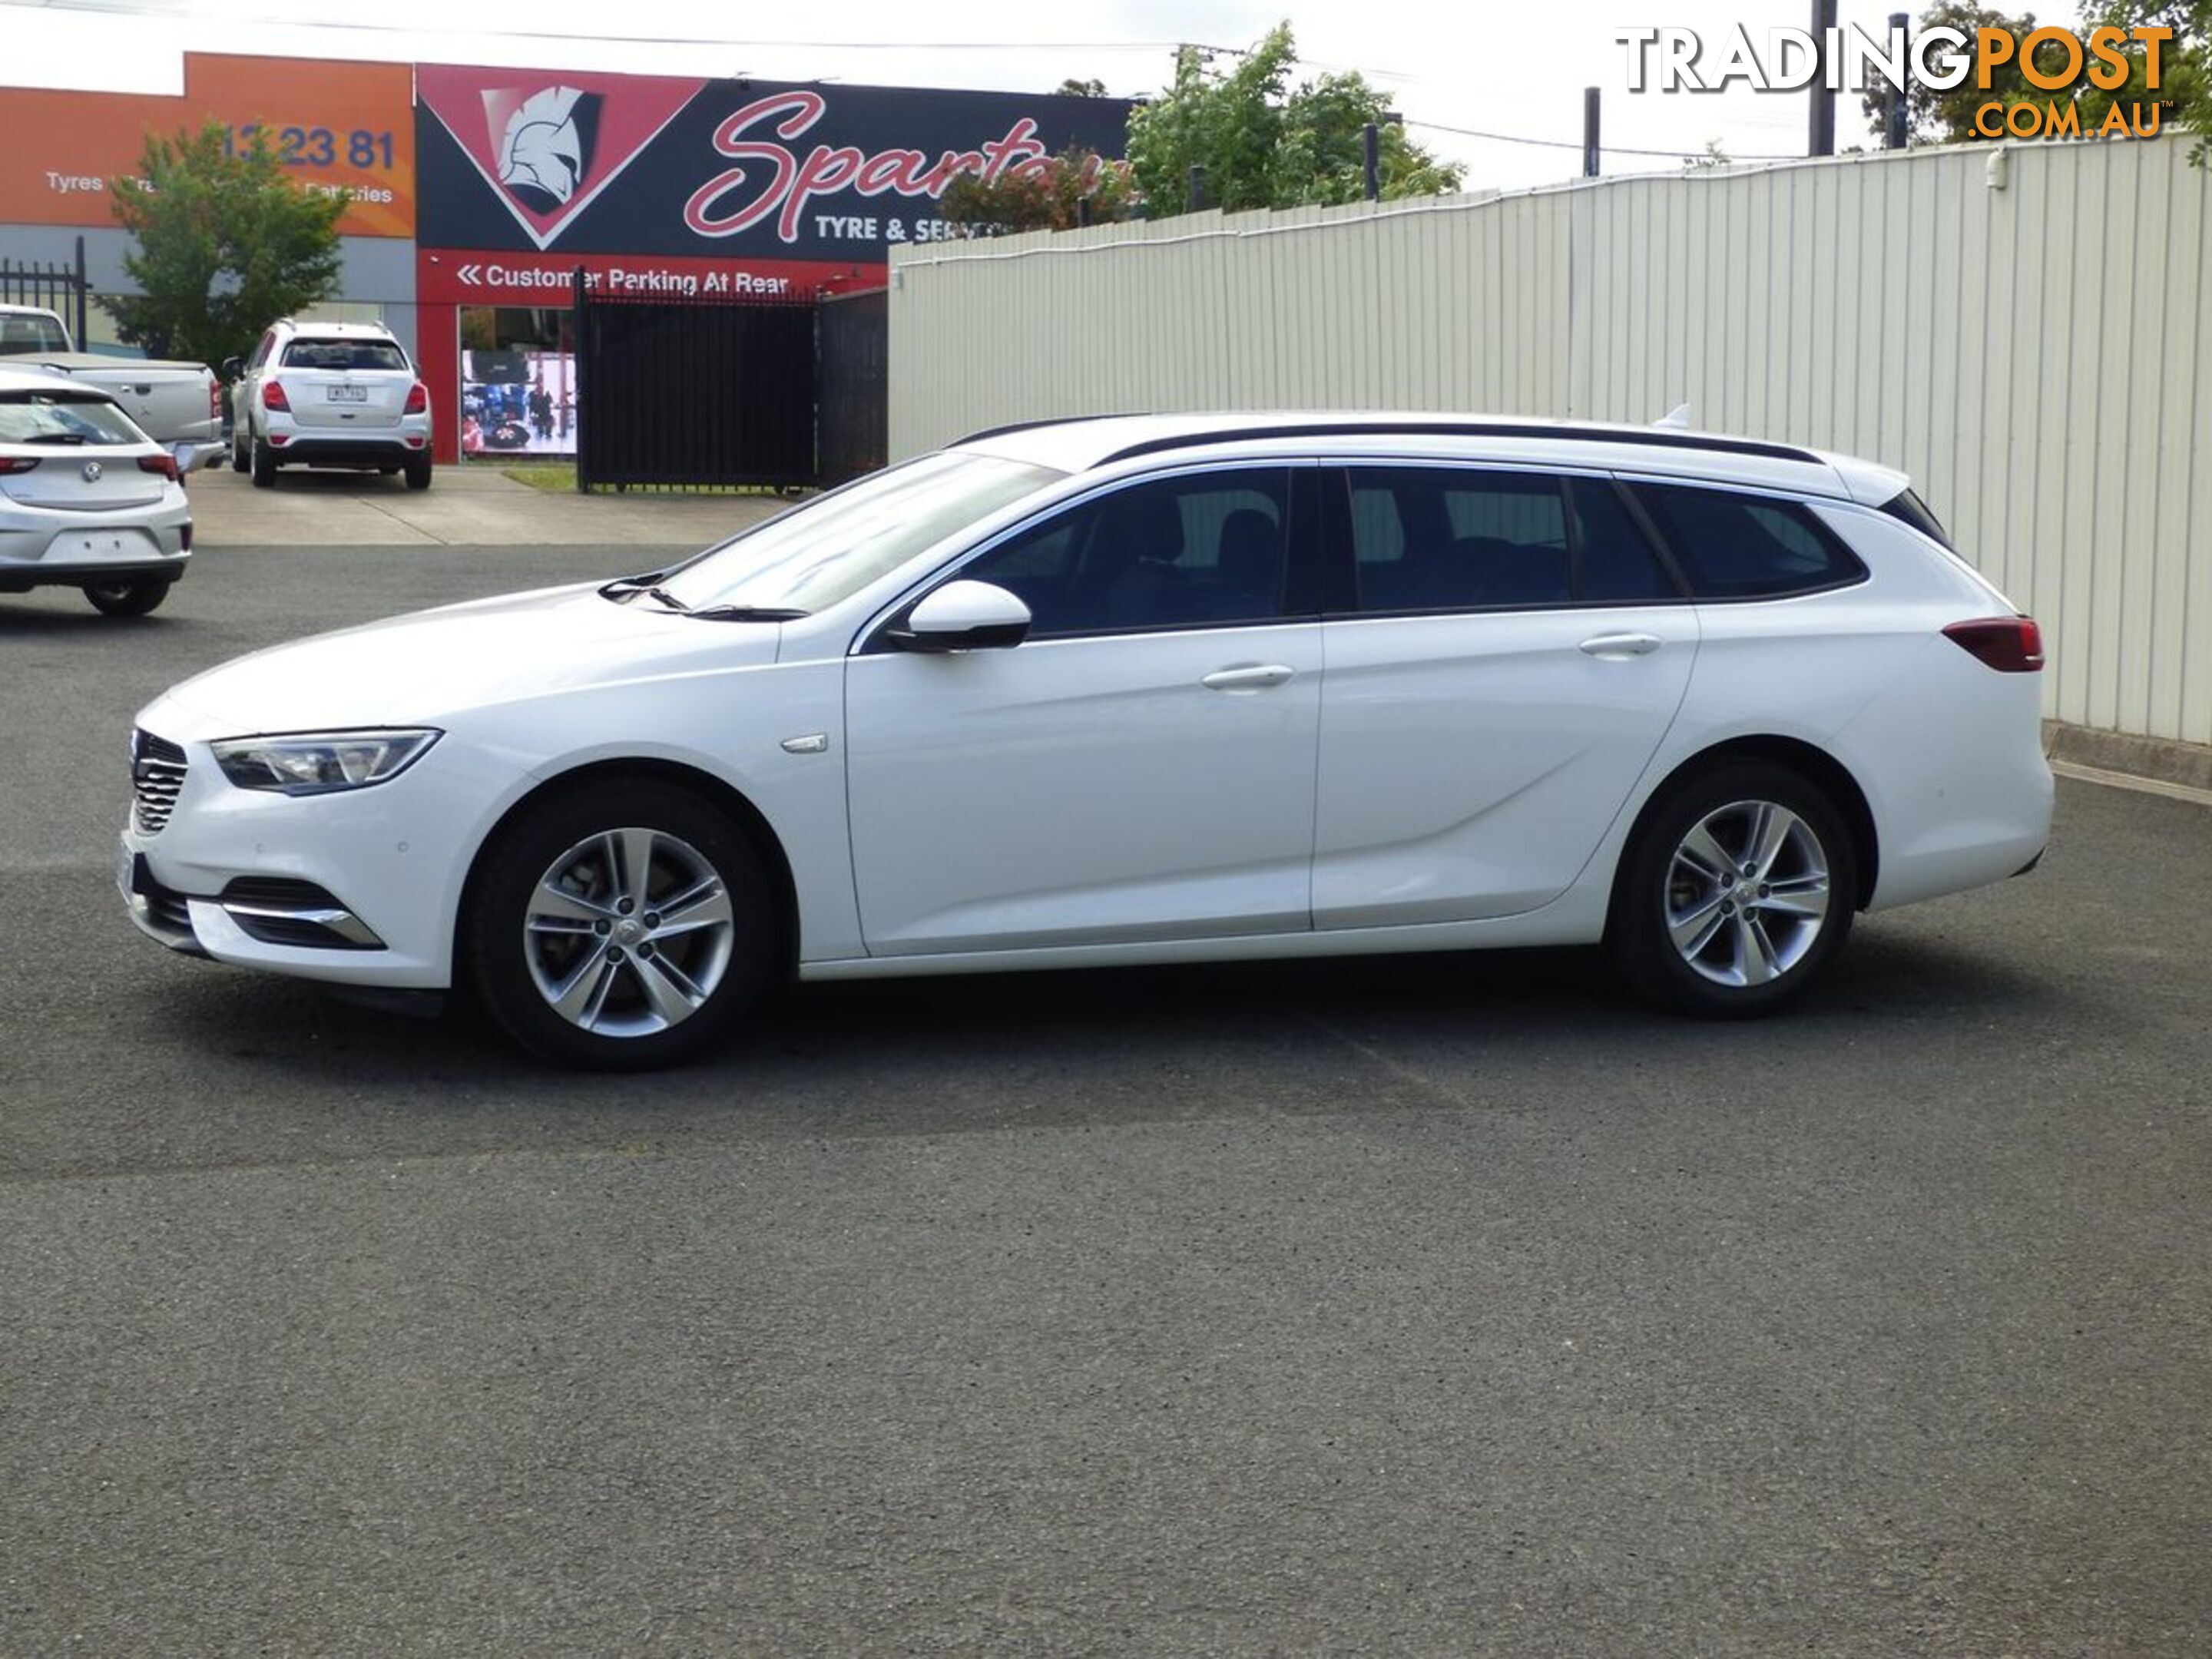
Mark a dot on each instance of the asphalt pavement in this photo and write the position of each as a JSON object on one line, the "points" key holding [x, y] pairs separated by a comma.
{"points": [[1452, 1306]]}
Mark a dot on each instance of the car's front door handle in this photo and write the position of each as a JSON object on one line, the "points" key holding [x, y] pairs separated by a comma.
{"points": [[1257, 677], [1614, 645]]}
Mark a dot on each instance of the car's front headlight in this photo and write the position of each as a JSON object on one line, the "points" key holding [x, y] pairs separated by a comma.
{"points": [[316, 762]]}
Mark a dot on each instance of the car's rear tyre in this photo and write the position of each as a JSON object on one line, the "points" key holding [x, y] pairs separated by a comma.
{"points": [[133, 596], [1738, 886], [264, 465], [621, 928], [419, 474], [240, 461]]}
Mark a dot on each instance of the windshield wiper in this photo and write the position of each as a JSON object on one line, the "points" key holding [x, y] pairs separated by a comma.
{"points": [[625, 587], [746, 613]]}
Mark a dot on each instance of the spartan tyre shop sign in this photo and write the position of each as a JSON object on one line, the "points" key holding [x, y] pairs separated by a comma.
{"points": [[658, 184]]}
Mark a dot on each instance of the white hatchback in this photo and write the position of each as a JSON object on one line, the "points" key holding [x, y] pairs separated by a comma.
{"points": [[87, 499], [1136, 690]]}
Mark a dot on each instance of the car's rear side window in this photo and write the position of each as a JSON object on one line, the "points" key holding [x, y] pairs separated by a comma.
{"points": [[1908, 508], [1735, 546], [1441, 537], [342, 354]]}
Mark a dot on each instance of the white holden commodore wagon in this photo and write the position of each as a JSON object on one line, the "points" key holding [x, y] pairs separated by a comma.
{"points": [[1125, 690]]}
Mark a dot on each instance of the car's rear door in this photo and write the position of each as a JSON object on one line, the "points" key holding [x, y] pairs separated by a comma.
{"points": [[1140, 768], [1505, 650]]}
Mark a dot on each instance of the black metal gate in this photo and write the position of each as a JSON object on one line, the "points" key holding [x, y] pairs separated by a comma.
{"points": [[853, 345], [676, 392], [59, 288]]}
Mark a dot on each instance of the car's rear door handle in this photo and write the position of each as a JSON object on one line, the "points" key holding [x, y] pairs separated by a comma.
{"points": [[1257, 677], [1620, 644]]}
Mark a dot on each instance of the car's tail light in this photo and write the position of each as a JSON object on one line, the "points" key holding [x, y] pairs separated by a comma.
{"points": [[2011, 645], [15, 464], [272, 395], [164, 465], [418, 399]]}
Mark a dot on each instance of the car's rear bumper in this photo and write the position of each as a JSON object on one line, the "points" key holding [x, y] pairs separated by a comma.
{"points": [[394, 450], [47, 547], [22, 579]]}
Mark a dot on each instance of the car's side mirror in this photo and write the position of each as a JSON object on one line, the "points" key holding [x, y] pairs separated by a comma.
{"points": [[232, 367], [964, 617]]}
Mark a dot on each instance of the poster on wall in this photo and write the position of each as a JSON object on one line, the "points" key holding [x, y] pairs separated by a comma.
{"points": [[518, 402], [337, 128]]}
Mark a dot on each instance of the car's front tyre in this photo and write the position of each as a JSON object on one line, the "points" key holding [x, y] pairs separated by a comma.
{"points": [[1737, 887], [622, 927]]}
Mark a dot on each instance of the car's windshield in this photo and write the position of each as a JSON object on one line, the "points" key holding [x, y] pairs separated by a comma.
{"points": [[833, 547], [43, 417], [22, 333]]}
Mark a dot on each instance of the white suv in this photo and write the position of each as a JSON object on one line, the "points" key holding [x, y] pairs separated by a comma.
{"points": [[1163, 688], [329, 394]]}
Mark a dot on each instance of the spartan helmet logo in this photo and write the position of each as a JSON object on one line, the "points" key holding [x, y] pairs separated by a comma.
{"points": [[546, 150]]}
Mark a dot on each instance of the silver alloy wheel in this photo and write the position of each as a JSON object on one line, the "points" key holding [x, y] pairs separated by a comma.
{"points": [[628, 932], [1747, 893]]}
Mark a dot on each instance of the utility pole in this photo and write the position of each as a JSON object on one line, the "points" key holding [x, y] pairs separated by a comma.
{"points": [[1822, 139], [1899, 23], [1371, 145], [1590, 132]]}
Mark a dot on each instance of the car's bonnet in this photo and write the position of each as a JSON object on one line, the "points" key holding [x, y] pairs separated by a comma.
{"points": [[433, 666]]}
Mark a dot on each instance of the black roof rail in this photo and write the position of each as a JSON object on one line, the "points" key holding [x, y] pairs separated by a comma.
{"points": [[1654, 437], [1031, 426]]}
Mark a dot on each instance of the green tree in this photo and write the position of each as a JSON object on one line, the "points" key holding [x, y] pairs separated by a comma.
{"points": [[2184, 64], [226, 243], [1266, 143], [1072, 88], [2185, 81], [1077, 186]]}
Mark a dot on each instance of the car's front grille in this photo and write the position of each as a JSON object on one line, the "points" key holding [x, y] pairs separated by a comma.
{"points": [[157, 774]]}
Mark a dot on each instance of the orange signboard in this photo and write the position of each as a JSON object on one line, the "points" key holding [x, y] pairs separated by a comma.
{"points": [[345, 127]]}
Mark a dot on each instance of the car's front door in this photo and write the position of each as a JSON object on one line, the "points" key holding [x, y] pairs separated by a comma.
{"points": [[1141, 768], [1509, 657]]}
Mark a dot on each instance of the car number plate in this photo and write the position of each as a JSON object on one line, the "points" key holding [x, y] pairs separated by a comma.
{"points": [[124, 867], [347, 394]]}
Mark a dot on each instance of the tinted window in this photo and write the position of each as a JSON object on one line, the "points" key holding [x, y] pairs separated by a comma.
{"points": [[1178, 553], [1911, 509], [1442, 538], [1737, 547], [344, 354], [1613, 560]]}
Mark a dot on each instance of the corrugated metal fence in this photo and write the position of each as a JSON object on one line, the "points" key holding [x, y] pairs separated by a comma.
{"points": [[2023, 331]]}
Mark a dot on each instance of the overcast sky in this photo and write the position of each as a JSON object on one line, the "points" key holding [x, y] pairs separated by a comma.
{"points": [[1517, 69]]}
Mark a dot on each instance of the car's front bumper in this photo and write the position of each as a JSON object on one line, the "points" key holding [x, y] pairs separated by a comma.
{"points": [[373, 876]]}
